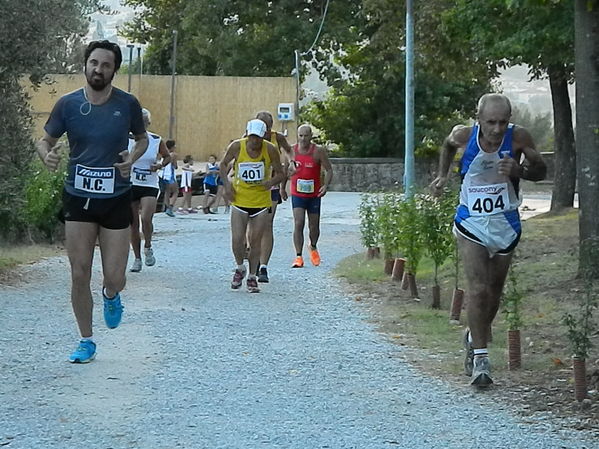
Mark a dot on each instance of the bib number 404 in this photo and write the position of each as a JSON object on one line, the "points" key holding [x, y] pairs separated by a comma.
{"points": [[484, 206]]}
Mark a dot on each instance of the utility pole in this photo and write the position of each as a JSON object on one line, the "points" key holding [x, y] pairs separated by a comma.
{"points": [[408, 180], [140, 70], [129, 69], [174, 72], [297, 84]]}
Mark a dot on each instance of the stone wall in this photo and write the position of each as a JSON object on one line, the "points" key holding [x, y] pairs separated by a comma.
{"points": [[371, 174]]}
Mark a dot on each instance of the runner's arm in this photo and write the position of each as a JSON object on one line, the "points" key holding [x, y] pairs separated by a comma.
{"points": [[326, 164], [282, 141], [47, 150], [166, 157], [277, 167], [231, 154], [533, 168], [140, 147], [458, 138]]}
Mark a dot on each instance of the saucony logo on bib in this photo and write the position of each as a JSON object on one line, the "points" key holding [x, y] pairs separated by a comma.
{"points": [[489, 190]]}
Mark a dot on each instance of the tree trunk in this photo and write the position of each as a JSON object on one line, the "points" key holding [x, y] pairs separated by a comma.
{"points": [[564, 178], [587, 133]]}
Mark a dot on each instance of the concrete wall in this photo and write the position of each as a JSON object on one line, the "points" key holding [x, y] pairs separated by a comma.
{"points": [[209, 111]]}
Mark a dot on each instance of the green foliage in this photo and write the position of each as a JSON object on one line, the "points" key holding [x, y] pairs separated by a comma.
{"points": [[512, 300], [238, 38], [43, 196], [437, 224], [386, 214], [410, 236], [581, 326], [543, 38], [38, 37], [540, 126], [364, 111], [368, 224]]}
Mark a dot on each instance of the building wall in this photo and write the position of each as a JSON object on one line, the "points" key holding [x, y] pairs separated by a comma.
{"points": [[209, 111]]}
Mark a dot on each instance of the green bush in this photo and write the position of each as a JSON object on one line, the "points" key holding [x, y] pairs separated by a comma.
{"points": [[43, 196], [368, 225], [410, 237], [387, 215], [437, 224], [512, 299], [581, 327]]}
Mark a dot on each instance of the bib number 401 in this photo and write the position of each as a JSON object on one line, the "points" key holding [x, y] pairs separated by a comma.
{"points": [[484, 206]]}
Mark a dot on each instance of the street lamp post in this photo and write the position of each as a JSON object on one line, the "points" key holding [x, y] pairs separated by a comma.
{"points": [[409, 103], [140, 70], [130, 47], [174, 71]]}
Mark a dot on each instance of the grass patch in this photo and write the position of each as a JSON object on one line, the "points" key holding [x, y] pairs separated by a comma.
{"points": [[13, 256], [546, 262]]}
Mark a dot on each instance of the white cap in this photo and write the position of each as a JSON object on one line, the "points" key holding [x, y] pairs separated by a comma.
{"points": [[256, 127]]}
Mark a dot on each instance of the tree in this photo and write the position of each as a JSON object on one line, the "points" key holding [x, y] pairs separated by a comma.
{"points": [[539, 33], [237, 38], [364, 112], [587, 133], [37, 36]]}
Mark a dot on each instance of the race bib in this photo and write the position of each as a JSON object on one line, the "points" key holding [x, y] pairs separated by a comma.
{"points": [[251, 172], [305, 186], [488, 199], [141, 175], [94, 179]]}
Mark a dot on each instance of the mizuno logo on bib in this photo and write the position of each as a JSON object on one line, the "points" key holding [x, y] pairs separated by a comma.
{"points": [[487, 199], [94, 179], [141, 174], [251, 172]]}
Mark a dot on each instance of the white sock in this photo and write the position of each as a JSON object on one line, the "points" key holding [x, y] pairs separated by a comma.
{"points": [[91, 338], [106, 295], [263, 266], [241, 267], [482, 352], [469, 337]]}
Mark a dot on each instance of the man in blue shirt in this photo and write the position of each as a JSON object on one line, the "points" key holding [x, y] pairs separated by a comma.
{"points": [[97, 193]]}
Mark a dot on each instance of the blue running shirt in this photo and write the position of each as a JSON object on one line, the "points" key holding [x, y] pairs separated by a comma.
{"points": [[96, 134]]}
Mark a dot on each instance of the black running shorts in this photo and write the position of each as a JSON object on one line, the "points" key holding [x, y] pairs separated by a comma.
{"points": [[110, 213]]}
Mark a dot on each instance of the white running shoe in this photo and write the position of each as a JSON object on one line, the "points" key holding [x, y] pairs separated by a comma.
{"points": [[150, 259], [481, 372], [136, 267]]}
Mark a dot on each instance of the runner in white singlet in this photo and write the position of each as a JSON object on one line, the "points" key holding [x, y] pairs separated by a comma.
{"points": [[487, 225]]}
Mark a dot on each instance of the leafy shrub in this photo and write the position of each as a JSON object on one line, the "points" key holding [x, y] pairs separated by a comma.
{"points": [[437, 224], [368, 224], [43, 197], [512, 299], [386, 221], [410, 238], [582, 326]]}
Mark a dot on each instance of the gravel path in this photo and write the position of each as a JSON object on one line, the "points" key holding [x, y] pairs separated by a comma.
{"points": [[196, 365]]}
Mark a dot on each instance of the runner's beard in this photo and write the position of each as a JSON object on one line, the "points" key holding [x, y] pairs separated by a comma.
{"points": [[97, 81]]}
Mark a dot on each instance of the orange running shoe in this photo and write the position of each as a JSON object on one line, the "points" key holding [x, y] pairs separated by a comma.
{"points": [[314, 257], [298, 262]]}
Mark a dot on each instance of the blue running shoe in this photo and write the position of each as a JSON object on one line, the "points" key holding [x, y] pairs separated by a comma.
{"points": [[85, 352], [113, 311]]}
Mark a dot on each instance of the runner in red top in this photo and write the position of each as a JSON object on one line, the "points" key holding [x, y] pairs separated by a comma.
{"points": [[306, 192]]}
